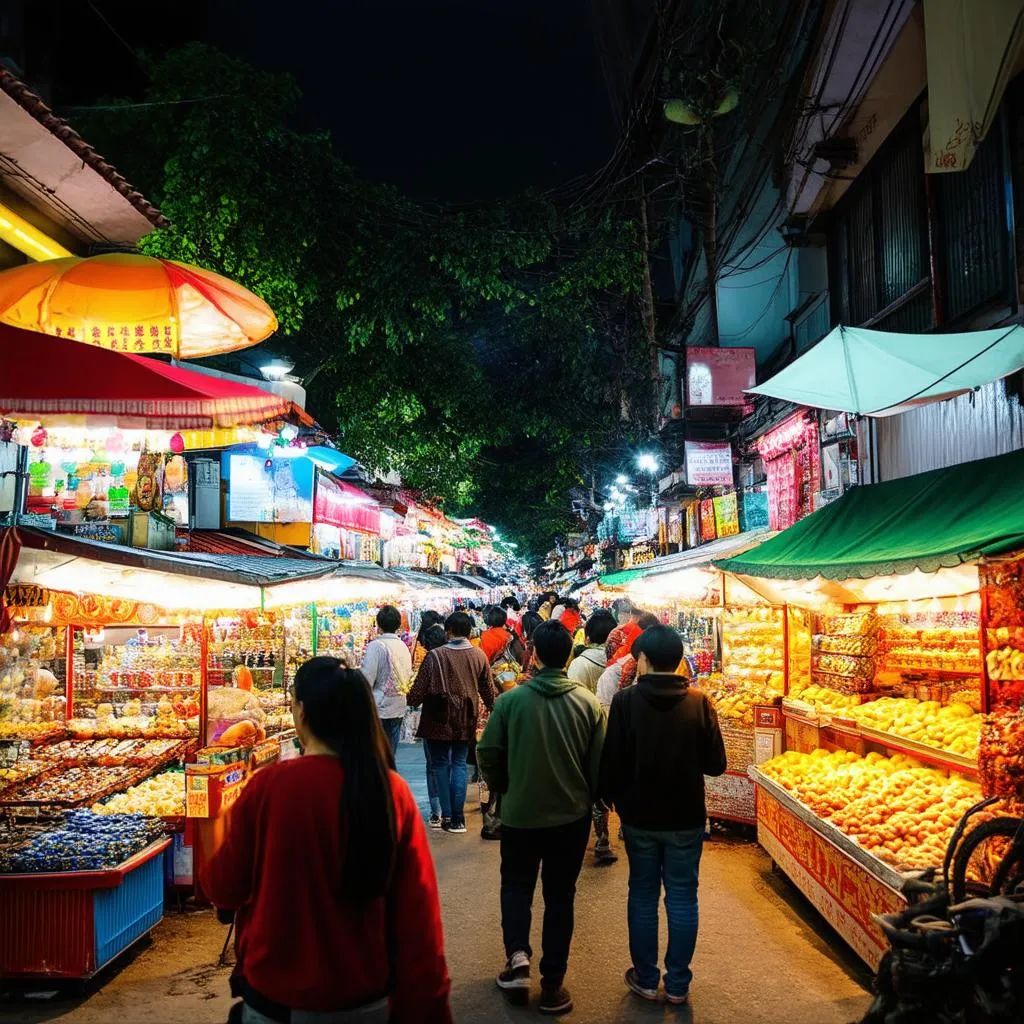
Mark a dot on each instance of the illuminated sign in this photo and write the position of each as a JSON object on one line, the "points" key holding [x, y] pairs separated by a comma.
{"points": [[719, 376]]}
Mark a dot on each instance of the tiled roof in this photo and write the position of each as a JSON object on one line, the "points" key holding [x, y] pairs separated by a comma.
{"points": [[220, 542], [58, 127]]}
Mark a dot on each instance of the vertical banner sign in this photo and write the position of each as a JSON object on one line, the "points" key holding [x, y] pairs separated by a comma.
{"points": [[755, 510], [707, 520], [727, 519], [709, 463]]}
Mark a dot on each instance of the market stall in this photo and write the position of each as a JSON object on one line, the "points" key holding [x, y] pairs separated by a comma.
{"points": [[152, 684], [735, 642], [899, 725]]}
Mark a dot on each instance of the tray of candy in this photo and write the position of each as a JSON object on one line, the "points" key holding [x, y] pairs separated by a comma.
{"points": [[72, 787], [134, 752], [22, 771]]}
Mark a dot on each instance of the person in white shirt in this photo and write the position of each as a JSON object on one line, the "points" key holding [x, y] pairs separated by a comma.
{"points": [[592, 661], [387, 665]]}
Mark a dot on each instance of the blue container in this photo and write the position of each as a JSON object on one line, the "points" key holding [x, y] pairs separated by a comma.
{"points": [[124, 914]]}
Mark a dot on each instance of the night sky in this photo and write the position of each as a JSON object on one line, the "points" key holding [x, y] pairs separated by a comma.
{"points": [[448, 99]]}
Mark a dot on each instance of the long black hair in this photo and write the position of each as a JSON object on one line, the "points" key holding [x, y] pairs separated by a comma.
{"points": [[340, 711], [427, 619]]}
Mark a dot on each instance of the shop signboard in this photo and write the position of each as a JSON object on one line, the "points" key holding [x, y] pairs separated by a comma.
{"points": [[26, 595], [719, 376], [709, 463], [339, 504], [727, 519], [262, 489]]}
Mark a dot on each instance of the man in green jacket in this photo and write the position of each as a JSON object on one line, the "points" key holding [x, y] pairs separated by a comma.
{"points": [[542, 751]]}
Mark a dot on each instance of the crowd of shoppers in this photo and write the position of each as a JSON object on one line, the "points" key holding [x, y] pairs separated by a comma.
{"points": [[613, 725]]}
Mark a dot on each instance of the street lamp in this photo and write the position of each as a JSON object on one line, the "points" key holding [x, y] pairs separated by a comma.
{"points": [[622, 479], [647, 462]]}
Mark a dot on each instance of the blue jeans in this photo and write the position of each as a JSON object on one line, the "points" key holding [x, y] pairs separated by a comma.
{"points": [[435, 803], [393, 731], [451, 777], [672, 858]]}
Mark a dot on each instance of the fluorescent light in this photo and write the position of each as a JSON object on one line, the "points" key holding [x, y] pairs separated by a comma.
{"points": [[27, 238], [277, 369]]}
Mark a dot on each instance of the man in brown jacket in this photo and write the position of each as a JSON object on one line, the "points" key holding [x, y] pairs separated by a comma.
{"points": [[450, 685]]}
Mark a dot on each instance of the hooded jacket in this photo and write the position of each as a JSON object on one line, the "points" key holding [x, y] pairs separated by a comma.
{"points": [[663, 738], [541, 750]]}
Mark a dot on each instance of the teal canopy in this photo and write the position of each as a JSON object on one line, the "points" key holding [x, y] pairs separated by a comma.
{"points": [[877, 373], [929, 522]]}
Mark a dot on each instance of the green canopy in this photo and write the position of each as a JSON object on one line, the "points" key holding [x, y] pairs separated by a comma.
{"points": [[692, 558], [929, 522]]}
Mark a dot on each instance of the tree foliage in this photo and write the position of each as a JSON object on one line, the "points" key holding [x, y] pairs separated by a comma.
{"points": [[488, 354]]}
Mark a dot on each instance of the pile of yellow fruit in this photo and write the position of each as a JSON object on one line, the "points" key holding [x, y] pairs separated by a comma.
{"points": [[162, 796], [826, 699], [955, 727], [900, 810]]}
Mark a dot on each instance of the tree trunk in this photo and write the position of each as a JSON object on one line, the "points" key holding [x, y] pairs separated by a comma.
{"points": [[648, 312], [711, 228]]}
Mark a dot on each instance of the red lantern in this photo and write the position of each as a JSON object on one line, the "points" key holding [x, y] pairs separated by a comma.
{"points": [[177, 444], [38, 437]]}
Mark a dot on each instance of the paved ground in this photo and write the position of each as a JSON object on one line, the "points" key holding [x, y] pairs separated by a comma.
{"points": [[765, 957]]}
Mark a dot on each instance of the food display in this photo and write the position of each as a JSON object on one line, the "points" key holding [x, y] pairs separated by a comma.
{"points": [[1001, 758], [943, 641], [348, 628], [22, 770], [70, 787], [799, 648], [135, 752], [843, 658], [823, 698], [79, 841], [162, 796], [735, 702], [955, 727], [32, 680], [753, 646], [232, 716], [137, 683], [895, 807]]}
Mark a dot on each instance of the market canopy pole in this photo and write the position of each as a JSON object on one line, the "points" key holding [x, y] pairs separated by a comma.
{"points": [[879, 373], [126, 302], [62, 383]]}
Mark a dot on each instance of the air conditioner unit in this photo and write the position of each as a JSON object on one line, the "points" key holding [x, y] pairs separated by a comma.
{"points": [[204, 476]]}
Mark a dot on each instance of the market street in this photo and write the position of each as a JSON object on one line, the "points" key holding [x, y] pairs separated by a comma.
{"points": [[764, 956]]}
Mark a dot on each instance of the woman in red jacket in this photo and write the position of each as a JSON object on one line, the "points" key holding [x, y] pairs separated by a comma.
{"points": [[336, 913]]}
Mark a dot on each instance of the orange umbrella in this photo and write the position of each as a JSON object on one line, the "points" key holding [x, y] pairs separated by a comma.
{"points": [[137, 304]]}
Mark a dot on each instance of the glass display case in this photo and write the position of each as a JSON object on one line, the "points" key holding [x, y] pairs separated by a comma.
{"points": [[33, 674], [247, 692], [134, 682]]}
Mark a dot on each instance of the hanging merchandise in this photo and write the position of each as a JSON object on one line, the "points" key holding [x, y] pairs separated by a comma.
{"points": [[708, 530], [792, 461]]}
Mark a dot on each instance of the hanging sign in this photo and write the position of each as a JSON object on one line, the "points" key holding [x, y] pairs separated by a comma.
{"points": [[755, 510], [719, 376], [708, 463]]}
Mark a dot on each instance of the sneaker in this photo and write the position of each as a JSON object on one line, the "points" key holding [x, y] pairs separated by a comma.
{"points": [[435, 821], [678, 1000], [603, 854], [455, 827], [634, 986], [555, 1001], [514, 981]]}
